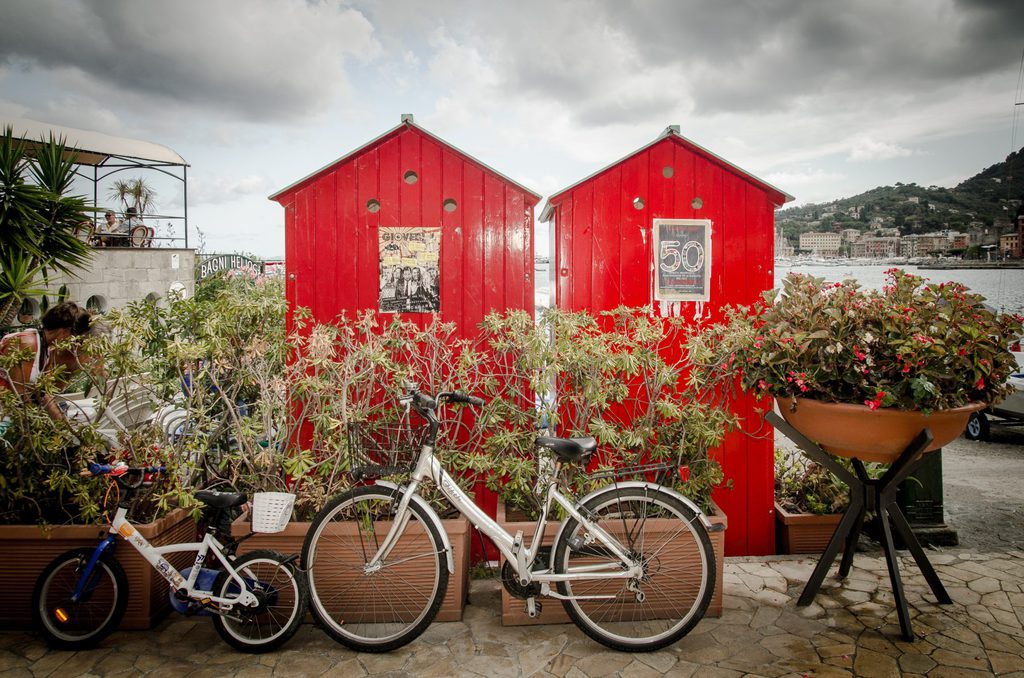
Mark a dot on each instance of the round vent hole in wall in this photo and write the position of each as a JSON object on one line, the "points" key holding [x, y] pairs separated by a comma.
{"points": [[638, 203], [667, 171], [96, 304], [28, 311], [449, 205], [373, 205], [411, 177]]}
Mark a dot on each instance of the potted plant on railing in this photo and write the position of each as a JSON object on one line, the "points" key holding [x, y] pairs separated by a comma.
{"points": [[612, 380], [862, 372]]}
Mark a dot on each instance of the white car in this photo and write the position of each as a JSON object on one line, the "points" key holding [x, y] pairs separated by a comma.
{"points": [[1010, 410]]}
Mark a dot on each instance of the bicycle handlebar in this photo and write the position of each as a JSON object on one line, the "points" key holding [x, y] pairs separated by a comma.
{"points": [[464, 398], [424, 403], [119, 469]]}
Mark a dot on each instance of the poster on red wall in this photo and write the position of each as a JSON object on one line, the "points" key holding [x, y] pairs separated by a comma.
{"points": [[682, 259], [410, 280]]}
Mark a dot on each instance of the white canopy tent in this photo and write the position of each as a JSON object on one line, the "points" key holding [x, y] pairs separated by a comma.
{"points": [[108, 155]]}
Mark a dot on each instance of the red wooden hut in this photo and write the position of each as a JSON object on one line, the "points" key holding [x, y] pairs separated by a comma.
{"points": [[473, 227], [410, 200], [711, 225]]}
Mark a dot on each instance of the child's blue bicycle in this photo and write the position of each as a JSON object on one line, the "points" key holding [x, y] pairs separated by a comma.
{"points": [[257, 600]]}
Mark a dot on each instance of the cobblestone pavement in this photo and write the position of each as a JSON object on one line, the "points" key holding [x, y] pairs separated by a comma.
{"points": [[851, 629]]}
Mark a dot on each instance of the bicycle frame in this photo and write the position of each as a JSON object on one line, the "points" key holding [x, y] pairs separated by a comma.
{"points": [[154, 555], [521, 557]]}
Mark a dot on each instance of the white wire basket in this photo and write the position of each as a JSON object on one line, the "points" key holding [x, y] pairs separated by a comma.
{"points": [[271, 511]]}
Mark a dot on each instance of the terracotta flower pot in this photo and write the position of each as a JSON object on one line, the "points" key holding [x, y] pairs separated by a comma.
{"points": [[290, 541], [803, 532], [880, 435]]}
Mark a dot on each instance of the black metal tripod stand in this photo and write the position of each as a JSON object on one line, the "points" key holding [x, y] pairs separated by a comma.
{"points": [[878, 496]]}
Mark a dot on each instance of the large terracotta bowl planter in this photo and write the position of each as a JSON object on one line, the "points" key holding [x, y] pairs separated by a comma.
{"points": [[290, 541], [797, 533], [513, 610], [881, 435], [27, 549]]}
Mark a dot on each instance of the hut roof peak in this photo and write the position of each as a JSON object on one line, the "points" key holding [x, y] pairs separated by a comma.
{"points": [[670, 132], [407, 121]]}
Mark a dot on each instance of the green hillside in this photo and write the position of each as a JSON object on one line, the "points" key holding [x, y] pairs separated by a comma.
{"points": [[989, 199]]}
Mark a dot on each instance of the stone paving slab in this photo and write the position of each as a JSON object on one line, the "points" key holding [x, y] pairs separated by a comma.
{"points": [[850, 629]]}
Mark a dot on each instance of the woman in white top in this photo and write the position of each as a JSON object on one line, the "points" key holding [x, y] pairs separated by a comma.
{"points": [[59, 323]]}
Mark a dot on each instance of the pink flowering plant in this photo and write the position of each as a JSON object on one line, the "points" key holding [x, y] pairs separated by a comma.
{"points": [[915, 345]]}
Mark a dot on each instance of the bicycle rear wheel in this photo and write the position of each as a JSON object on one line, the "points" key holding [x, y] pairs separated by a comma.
{"points": [[666, 537], [78, 625], [282, 596], [373, 611]]}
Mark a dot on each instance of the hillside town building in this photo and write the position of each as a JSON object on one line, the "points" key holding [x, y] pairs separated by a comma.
{"points": [[820, 244]]}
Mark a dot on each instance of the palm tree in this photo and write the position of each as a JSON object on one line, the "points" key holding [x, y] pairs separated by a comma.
{"points": [[38, 220], [134, 193]]}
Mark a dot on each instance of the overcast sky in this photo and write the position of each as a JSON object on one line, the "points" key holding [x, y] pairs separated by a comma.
{"points": [[823, 99]]}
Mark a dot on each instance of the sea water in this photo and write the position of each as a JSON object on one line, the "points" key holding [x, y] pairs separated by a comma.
{"points": [[1002, 288]]}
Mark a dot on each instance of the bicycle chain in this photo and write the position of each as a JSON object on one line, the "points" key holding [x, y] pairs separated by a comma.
{"points": [[510, 580]]}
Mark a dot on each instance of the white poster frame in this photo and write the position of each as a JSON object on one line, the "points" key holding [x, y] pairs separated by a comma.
{"points": [[670, 253]]}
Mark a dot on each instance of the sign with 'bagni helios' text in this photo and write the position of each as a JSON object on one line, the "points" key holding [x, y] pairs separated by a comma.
{"points": [[228, 262]]}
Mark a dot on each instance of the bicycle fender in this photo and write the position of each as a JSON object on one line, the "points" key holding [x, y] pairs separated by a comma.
{"points": [[434, 518], [645, 485]]}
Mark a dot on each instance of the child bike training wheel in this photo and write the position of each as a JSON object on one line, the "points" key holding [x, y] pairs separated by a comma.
{"points": [[70, 625], [282, 602], [378, 609], [665, 536]]}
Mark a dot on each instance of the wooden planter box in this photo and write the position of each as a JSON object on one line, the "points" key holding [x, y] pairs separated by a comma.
{"points": [[290, 541], [28, 549], [513, 610], [803, 532]]}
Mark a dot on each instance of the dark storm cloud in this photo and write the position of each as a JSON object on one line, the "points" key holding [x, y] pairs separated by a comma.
{"points": [[256, 60], [748, 56]]}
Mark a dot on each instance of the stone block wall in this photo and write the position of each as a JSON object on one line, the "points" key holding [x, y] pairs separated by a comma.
{"points": [[116, 276]]}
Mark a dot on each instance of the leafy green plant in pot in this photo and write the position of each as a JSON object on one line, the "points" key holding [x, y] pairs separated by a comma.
{"points": [[860, 371], [614, 378], [803, 486], [808, 503], [46, 508]]}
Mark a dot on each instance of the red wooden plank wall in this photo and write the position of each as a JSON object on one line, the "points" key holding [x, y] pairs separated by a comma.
{"points": [[486, 243], [603, 259]]}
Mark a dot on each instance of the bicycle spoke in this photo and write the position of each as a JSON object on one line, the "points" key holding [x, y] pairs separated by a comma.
{"points": [[391, 604], [662, 536]]}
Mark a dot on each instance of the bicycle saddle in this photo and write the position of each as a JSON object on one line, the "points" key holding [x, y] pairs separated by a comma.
{"points": [[221, 500], [568, 449]]}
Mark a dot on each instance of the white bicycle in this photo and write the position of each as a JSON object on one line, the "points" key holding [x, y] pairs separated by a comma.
{"points": [[257, 600], [632, 563]]}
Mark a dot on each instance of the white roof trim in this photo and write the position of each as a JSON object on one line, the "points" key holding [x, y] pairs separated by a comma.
{"points": [[671, 130], [95, 148], [406, 122]]}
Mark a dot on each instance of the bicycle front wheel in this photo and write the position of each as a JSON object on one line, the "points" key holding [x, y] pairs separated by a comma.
{"points": [[282, 602], [69, 624], [381, 608], [667, 539]]}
